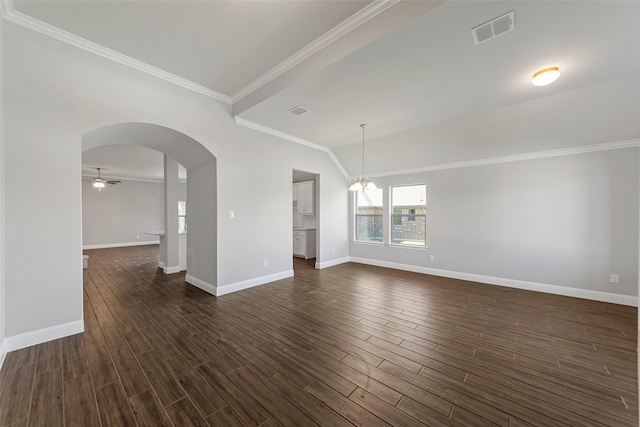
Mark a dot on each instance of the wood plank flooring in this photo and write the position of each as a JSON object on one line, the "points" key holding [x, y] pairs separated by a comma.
{"points": [[348, 345]]}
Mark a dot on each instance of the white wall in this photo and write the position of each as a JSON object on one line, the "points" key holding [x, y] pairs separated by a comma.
{"points": [[202, 234], [2, 224], [55, 93], [567, 221], [120, 214]]}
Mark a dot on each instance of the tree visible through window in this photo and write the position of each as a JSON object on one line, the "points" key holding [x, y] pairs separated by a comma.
{"points": [[408, 218], [369, 216]]}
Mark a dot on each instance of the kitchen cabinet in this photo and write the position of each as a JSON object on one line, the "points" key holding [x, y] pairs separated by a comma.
{"points": [[304, 243], [304, 197]]}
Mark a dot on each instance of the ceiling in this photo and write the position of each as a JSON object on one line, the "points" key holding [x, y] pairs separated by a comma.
{"points": [[410, 70], [126, 162]]}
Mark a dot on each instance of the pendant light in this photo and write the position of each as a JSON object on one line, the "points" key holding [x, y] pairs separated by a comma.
{"points": [[362, 184]]}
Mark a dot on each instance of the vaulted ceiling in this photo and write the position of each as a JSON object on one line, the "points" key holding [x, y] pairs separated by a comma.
{"points": [[410, 70]]}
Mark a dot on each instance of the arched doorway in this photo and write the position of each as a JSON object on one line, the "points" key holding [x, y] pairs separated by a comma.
{"points": [[201, 188]]}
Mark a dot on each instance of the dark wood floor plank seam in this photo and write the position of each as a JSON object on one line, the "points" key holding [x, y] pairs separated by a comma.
{"points": [[347, 345]]}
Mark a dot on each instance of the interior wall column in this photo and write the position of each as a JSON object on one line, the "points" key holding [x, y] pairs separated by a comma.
{"points": [[170, 247]]}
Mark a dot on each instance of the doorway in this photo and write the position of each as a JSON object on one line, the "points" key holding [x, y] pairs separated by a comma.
{"points": [[201, 188], [305, 219]]}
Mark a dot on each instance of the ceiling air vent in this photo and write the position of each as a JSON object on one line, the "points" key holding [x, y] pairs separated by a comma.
{"points": [[495, 27], [298, 111]]}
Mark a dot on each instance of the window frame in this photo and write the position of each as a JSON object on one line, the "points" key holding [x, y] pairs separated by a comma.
{"points": [[358, 215], [396, 219]]}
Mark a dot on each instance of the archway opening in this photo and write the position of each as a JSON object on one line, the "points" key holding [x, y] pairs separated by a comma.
{"points": [[200, 163]]}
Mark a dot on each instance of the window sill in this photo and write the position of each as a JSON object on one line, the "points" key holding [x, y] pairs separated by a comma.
{"points": [[415, 248], [361, 242], [390, 245]]}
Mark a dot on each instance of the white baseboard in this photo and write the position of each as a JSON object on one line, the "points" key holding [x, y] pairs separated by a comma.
{"points": [[28, 339], [331, 263], [509, 283], [121, 245], [171, 270], [3, 352], [238, 286], [207, 287]]}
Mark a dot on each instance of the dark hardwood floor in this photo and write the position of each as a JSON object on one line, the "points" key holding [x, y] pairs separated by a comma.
{"points": [[351, 344]]}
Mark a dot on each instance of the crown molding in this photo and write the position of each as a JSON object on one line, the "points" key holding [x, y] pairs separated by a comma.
{"points": [[122, 178], [10, 14], [348, 25], [6, 8], [338, 164], [271, 131], [372, 10], [291, 138], [516, 158]]}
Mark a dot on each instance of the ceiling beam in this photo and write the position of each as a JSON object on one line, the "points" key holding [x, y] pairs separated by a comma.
{"points": [[381, 19]]}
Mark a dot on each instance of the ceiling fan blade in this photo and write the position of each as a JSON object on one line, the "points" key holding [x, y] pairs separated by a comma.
{"points": [[113, 182]]}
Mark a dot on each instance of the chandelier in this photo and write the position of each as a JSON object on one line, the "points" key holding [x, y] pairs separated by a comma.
{"points": [[362, 184]]}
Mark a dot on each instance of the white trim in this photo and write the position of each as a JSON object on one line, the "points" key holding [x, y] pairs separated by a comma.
{"points": [[6, 7], [339, 165], [28, 339], [129, 178], [345, 27], [509, 283], [517, 157], [331, 263], [238, 286], [271, 131], [207, 287], [3, 305], [12, 15], [171, 270], [121, 245], [3, 352], [291, 138], [246, 284]]}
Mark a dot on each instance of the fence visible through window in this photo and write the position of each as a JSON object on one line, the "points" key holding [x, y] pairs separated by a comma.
{"points": [[369, 216], [409, 215]]}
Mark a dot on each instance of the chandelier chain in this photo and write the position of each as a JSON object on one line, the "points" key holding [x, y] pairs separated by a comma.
{"points": [[363, 126]]}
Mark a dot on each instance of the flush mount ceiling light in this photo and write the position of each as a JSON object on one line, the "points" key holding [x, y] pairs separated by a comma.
{"points": [[546, 76], [362, 184]]}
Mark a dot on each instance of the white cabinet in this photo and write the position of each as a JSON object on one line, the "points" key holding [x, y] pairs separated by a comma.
{"points": [[304, 243], [303, 196]]}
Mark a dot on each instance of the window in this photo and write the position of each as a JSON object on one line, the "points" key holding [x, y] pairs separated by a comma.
{"points": [[408, 218], [369, 216], [182, 217]]}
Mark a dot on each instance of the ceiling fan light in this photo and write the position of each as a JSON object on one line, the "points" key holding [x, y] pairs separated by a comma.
{"points": [[546, 76], [99, 184]]}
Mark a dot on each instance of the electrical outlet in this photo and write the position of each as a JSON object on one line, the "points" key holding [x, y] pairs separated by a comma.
{"points": [[614, 278], [333, 251], [265, 263], [232, 214], [432, 257], [137, 236]]}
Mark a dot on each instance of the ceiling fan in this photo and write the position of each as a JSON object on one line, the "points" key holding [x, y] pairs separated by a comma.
{"points": [[100, 183]]}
